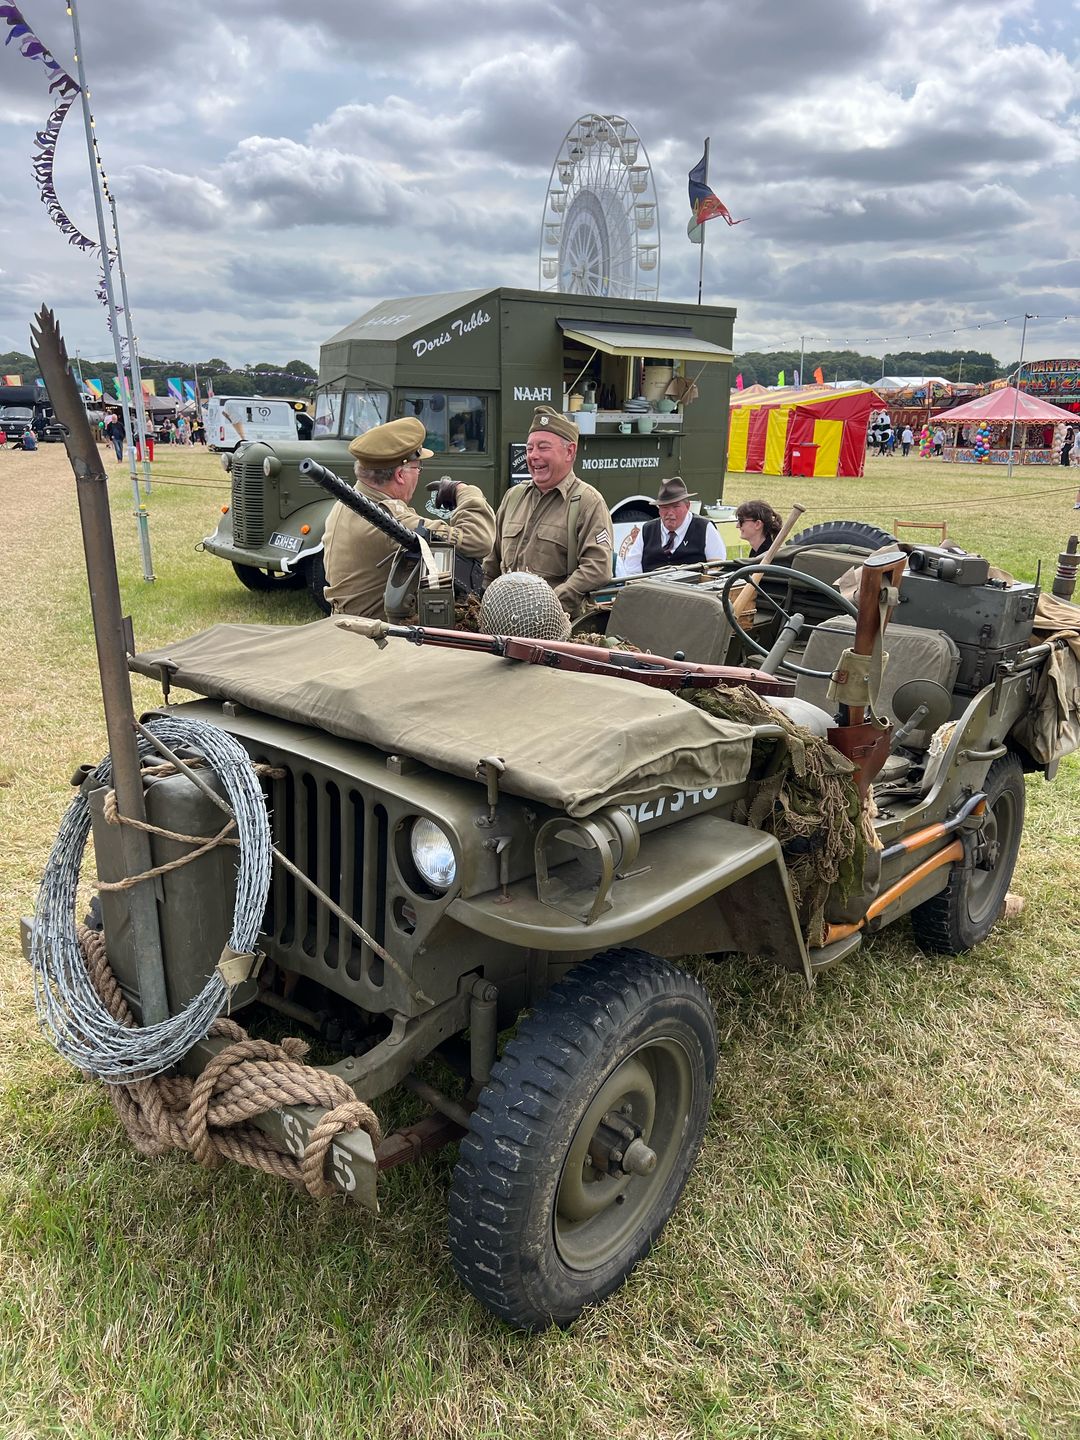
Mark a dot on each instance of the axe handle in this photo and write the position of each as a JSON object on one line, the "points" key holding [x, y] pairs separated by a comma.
{"points": [[744, 602]]}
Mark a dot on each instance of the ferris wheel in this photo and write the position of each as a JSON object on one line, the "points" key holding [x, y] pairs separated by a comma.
{"points": [[600, 233]]}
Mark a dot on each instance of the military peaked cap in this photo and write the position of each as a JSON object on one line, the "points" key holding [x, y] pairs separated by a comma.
{"points": [[391, 444]]}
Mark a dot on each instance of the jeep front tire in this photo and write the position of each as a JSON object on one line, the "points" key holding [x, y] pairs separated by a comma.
{"points": [[584, 1138]]}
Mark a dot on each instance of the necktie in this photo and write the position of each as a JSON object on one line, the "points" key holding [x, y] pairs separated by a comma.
{"points": [[669, 542]]}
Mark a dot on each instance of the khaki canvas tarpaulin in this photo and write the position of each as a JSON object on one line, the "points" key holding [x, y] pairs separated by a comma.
{"points": [[1052, 727], [574, 742]]}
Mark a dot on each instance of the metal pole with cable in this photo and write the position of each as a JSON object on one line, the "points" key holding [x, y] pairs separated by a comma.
{"points": [[133, 352], [142, 520], [1016, 397]]}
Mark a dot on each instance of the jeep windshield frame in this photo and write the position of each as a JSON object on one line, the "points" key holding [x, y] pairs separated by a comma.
{"points": [[344, 414]]}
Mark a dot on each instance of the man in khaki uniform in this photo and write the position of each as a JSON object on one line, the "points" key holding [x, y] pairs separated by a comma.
{"points": [[556, 525], [356, 556]]}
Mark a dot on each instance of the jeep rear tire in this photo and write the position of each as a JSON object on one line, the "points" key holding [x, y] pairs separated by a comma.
{"points": [[253, 578], [581, 1143], [964, 913], [842, 532]]}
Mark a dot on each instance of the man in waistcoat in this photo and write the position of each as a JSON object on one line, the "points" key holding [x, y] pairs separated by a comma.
{"points": [[678, 537]]}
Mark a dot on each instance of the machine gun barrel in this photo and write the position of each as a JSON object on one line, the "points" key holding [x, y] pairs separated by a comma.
{"points": [[656, 670], [343, 492]]}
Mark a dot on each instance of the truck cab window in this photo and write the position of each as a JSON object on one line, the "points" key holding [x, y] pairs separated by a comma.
{"points": [[455, 423], [364, 409]]}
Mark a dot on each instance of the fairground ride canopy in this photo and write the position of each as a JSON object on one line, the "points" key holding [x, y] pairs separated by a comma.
{"points": [[1001, 405]]}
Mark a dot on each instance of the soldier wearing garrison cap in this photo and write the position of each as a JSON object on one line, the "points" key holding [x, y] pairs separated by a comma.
{"points": [[387, 464], [678, 537], [556, 525]]}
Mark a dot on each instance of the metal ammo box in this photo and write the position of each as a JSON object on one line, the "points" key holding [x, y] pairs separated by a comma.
{"points": [[990, 620]]}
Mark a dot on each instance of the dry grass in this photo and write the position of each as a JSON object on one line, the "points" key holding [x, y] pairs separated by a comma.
{"points": [[881, 1237]]}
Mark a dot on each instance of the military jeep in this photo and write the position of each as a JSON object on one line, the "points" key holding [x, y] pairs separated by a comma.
{"points": [[469, 843]]}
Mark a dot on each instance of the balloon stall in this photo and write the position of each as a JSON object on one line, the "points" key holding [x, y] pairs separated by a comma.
{"points": [[980, 446], [926, 442]]}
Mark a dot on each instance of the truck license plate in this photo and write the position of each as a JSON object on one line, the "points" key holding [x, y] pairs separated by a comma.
{"points": [[285, 542]]}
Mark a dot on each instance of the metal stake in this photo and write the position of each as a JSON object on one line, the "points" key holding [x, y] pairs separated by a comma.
{"points": [[92, 488]]}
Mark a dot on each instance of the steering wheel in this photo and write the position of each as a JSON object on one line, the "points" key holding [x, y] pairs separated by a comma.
{"points": [[784, 572]]}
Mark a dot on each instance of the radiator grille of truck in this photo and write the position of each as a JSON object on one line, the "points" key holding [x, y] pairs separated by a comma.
{"points": [[339, 838], [248, 493]]}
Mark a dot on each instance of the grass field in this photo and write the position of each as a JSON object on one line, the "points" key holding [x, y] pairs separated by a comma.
{"points": [[882, 1237]]}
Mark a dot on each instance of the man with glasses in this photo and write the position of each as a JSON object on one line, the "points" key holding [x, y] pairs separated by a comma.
{"points": [[387, 464]]}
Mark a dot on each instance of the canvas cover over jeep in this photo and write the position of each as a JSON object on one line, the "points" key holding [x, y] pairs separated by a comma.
{"points": [[574, 742]]}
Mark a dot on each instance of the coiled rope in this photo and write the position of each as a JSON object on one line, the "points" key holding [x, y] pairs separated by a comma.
{"points": [[212, 1116], [70, 1011]]}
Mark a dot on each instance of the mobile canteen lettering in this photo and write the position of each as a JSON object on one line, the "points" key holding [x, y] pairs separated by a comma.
{"points": [[669, 804], [457, 328], [532, 392], [621, 462]]}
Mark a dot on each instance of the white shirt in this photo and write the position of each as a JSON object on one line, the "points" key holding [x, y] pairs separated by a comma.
{"points": [[630, 563]]}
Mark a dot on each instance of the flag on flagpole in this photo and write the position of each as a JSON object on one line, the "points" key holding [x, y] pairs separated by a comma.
{"points": [[176, 389], [780, 378], [189, 390], [798, 378], [95, 386], [704, 205], [12, 379], [819, 375], [738, 381]]}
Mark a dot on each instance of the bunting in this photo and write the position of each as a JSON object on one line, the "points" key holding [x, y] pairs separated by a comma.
{"points": [[64, 88]]}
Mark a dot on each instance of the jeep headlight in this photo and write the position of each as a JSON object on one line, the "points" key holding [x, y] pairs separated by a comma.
{"points": [[433, 854]]}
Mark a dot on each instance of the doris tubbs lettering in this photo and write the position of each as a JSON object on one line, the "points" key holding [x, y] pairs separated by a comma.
{"points": [[457, 327]]}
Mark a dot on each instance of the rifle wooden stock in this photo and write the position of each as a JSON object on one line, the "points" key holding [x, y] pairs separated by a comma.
{"points": [[744, 601], [656, 670]]}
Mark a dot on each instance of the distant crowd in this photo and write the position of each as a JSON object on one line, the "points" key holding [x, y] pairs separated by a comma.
{"points": [[177, 430]]}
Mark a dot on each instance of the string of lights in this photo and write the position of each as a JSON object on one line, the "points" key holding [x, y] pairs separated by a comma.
{"points": [[848, 342]]}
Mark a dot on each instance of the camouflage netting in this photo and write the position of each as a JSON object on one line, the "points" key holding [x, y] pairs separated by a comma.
{"points": [[807, 799]]}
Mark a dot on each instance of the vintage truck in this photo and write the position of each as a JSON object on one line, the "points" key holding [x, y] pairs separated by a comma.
{"points": [[472, 366], [469, 865]]}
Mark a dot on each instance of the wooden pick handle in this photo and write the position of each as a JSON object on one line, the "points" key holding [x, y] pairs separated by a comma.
{"points": [[743, 602]]}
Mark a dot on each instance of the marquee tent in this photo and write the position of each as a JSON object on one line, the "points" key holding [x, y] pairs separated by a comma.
{"points": [[764, 429], [999, 406]]}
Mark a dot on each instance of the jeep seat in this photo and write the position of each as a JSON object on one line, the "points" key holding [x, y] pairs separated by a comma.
{"points": [[914, 654], [663, 618]]}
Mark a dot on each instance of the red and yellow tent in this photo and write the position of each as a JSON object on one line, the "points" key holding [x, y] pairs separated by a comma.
{"points": [[763, 429]]}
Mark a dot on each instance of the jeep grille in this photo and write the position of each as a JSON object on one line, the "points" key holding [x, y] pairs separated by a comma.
{"points": [[248, 492], [339, 838]]}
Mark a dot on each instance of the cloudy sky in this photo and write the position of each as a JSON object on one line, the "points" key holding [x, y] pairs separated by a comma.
{"points": [[907, 169]]}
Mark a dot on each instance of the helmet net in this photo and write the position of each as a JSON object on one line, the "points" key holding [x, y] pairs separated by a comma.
{"points": [[522, 604]]}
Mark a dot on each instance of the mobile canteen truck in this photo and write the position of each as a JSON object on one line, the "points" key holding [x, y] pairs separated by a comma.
{"points": [[472, 366]]}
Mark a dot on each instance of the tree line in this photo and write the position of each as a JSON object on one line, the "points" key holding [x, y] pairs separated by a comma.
{"points": [[294, 379], [762, 367]]}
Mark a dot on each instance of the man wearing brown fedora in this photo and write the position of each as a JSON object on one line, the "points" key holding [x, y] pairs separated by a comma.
{"points": [[676, 538], [387, 463], [555, 525]]}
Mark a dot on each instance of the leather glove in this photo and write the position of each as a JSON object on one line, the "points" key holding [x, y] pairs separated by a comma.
{"points": [[446, 494]]}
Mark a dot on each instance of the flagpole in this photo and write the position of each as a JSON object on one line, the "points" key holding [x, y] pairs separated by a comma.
{"points": [[1016, 397], [701, 256], [133, 355], [141, 517]]}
